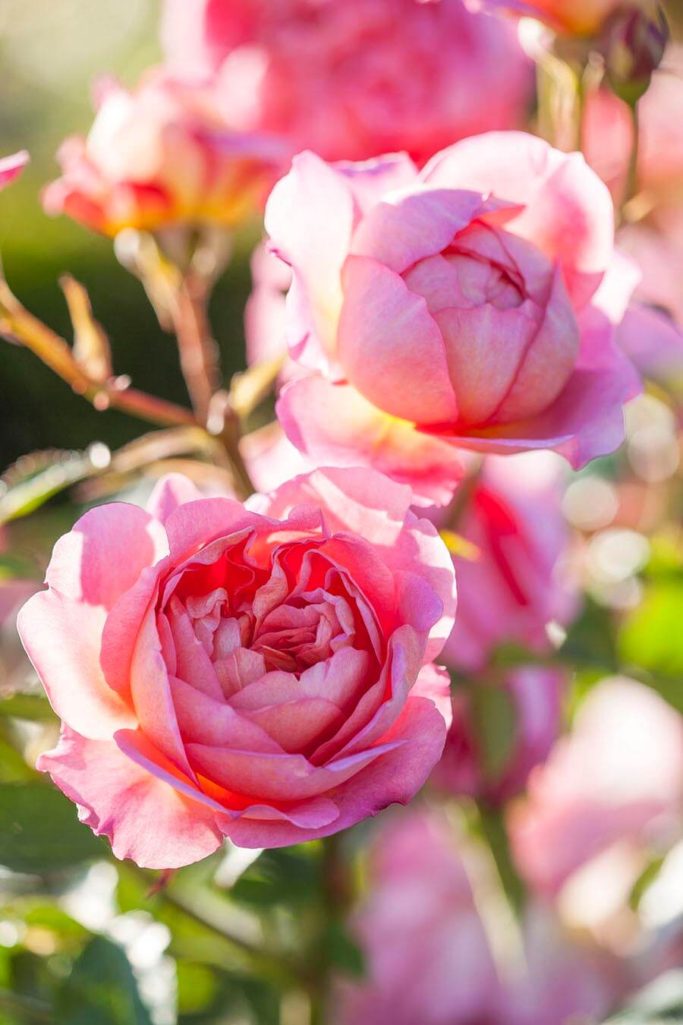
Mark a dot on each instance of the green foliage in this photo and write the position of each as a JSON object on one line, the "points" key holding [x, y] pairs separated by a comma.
{"points": [[290, 875], [495, 724], [101, 989], [660, 1004], [39, 830]]}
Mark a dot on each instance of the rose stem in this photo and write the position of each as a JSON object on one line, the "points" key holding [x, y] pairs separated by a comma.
{"points": [[24, 1007], [16, 323], [492, 830], [197, 350], [632, 178]]}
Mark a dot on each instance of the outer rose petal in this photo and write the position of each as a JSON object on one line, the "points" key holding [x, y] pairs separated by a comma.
{"points": [[309, 217], [558, 191], [146, 819], [395, 777], [171, 491], [586, 420], [86, 563], [334, 424], [390, 347], [11, 167], [653, 342], [70, 668]]}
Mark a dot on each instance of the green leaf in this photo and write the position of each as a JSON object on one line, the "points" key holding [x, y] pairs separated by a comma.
{"points": [[40, 831], [288, 876], [660, 1004], [101, 989], [197, 987], [651, 635], [495, 725], [33, 707], [343, 952]]}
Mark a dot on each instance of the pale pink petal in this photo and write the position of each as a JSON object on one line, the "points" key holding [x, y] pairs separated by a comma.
{"points": [[62, 637], [409, 226], [390, 347], [371, 180], [653, 342], [568, 210], [335, 425], [171, 491], [309, 217], [145, 819], [104, 554]]}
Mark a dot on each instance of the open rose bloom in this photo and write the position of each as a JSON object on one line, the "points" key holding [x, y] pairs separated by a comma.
{"points": [[261, 673], [455, 307], [158, 156], [356, 79]]}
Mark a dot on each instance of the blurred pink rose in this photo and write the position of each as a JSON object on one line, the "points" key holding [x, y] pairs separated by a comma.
{"points": [[478, 763], [451, 308], [161, 156], [570, 17], [618, 778], [427, 952], [356, 79], [517, 579], [11, 167], [261, 672]]}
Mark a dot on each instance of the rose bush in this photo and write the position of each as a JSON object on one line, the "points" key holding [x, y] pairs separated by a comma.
{"points": [[158, 156], [357, 79], [451, 308], [259, 672]]}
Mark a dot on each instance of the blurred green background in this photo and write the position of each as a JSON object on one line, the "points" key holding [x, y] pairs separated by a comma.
{"points": [[50, 53]]}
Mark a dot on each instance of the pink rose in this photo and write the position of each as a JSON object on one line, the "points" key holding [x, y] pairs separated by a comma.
{"points": [[480, 763], [427, 947], [160, 156], [11, 167], [570, 17], [450, 308], [516, 579], [355, 79], [261, 672], [617, 779]]}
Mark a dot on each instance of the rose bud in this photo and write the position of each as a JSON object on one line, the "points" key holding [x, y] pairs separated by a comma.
{"points": [[332, 77], [633, 43], [158, 157], [261, 672], [451, 308]]}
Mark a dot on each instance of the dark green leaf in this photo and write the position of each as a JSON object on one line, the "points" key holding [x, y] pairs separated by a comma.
{"points": [[343, 953], [40, 831], [291, 876], [101, 989]]}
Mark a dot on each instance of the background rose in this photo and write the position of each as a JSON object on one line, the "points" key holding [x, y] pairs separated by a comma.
{"points": [[427, 945], [501, 730], [614, 782], [161, 155], [516, 579], [573, 17], [385, 74], [263, 675], [452, 308]]}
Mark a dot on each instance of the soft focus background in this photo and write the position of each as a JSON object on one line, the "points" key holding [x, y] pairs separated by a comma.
{"points": [[50, 54]]}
